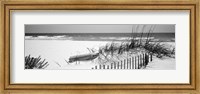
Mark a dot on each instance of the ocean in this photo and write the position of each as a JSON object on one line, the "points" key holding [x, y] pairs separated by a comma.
{"points": [[163, 37]]}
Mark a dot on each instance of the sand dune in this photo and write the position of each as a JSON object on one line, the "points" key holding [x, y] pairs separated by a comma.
{"points": [[57, 51]]}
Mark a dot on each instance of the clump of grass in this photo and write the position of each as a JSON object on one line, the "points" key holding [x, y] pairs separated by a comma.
{"points": [[159, 49], [35, 63], [147, 44]]}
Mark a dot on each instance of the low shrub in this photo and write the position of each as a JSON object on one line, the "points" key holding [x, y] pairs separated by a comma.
{"points": [[35, 63]]}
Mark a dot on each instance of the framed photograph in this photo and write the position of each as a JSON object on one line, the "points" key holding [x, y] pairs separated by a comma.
{"points": [[112, 45]]}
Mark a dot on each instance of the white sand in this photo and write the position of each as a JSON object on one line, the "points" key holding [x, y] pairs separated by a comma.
{"points": [[57, 51], [164, 63]]}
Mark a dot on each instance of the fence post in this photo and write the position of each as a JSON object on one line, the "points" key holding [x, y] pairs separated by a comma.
{"points": [[95, 67], [138, 62], [114, 66], [143, 59], [121, 64], [135, 62], [151, 57], [146, 59], [132, 62], [124, 63], [127, 64]]}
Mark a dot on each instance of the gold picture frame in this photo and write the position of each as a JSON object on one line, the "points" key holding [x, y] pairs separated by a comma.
{"points": [[7, 6]]}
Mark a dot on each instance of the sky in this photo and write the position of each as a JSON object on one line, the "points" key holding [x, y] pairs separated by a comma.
{"points": [[99, 28]]}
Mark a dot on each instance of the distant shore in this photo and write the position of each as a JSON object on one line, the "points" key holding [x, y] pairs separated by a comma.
{"points": [[91, 38]]}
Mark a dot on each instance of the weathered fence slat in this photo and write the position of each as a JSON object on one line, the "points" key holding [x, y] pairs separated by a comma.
{"points": [[127, 64], [121, 64], [124, 63], [104, 66], [133, 62]]}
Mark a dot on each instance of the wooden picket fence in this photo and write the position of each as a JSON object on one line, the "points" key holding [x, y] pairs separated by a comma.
{"points": [[133, 62]]}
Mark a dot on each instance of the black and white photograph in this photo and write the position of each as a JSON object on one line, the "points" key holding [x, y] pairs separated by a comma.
{"points": [[100, 46]]}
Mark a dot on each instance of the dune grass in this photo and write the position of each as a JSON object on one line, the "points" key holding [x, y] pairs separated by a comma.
{"points": [[35, 63], [136, 43], [155, 47]]}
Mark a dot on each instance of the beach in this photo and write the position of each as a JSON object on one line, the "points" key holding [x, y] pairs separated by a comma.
{"points": [[57, 52]]}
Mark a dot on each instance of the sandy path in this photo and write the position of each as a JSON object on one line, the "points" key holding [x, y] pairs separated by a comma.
{"points": [[165, 63]]}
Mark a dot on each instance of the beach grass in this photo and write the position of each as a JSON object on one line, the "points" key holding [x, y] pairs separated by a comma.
{"points": [[156, 48], [137, 43], [35, 63]]}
